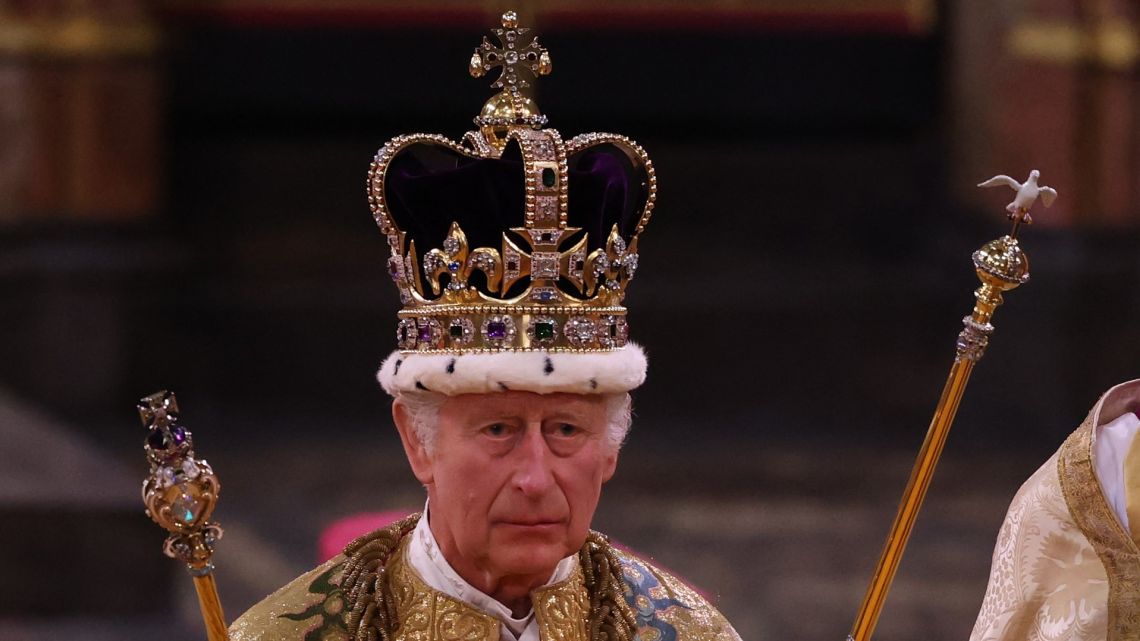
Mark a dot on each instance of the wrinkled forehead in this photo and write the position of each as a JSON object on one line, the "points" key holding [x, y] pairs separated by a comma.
{"points": [[523, 405]]}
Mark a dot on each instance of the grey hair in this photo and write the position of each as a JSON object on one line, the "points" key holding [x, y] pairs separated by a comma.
{"points": [[423, 408]]}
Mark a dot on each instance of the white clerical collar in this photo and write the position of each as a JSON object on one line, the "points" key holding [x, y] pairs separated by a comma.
{"points": [[1111, 442], [427, 560]]}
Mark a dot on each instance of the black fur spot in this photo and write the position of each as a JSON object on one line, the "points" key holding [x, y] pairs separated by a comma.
{"points": [[420, 385], [593, 383], [504, 387], [396, 369], [548, 367], [451, 366]]}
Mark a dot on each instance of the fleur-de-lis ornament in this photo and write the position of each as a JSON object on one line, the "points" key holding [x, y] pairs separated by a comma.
{"points": [[613, 267], [458, 262]]}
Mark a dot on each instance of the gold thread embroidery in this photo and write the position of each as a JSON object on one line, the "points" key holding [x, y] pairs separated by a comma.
{"points": [[561, 609], [611, 618], [1092, 514], [423, 614]]}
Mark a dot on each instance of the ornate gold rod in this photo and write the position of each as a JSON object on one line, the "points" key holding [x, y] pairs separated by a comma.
{"points": [[1001, 266], [180, 494]]}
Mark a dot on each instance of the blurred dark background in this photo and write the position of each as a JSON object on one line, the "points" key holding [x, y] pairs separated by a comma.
{"points": [[182, 206]]}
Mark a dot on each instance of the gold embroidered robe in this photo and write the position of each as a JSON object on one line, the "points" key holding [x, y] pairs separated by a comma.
{"points": [[1064, 568], [314, 607]]}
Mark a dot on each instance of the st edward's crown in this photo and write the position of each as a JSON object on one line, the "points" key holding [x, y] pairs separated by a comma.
{"points": [[512, 239]]}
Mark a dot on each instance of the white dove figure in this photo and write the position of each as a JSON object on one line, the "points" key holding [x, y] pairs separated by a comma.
{"points": [[1027, 193]]}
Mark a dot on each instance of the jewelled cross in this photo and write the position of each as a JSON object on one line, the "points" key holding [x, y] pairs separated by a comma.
{"points": [[543, 260], [516, 59]]}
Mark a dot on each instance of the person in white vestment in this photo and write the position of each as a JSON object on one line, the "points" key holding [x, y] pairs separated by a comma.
{"points": [[1066, 566]]}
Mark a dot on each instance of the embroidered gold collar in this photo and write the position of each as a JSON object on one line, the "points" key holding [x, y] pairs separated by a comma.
{"points": [[389, 601], [426, 613]]}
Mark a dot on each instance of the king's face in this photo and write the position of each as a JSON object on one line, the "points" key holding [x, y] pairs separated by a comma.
{"points": [[513, 480]]}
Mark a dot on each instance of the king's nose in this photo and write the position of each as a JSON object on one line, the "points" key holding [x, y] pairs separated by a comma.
{"points": [[533, 473]]}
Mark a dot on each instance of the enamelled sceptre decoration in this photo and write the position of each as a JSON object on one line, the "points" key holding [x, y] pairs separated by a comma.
{"points": [[180, 494], [1001, 266]]}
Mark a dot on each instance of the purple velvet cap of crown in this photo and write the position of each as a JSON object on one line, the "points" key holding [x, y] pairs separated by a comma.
{"points": [[429, 186]]}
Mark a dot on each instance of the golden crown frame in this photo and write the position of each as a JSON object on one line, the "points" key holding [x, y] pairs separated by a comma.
{"points": [[443, 312]]}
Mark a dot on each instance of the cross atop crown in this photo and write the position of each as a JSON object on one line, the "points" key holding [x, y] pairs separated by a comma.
{"points": [[514, 57], [520, 56]]}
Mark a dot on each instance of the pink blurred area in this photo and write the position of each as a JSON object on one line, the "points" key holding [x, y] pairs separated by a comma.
{"points": [[342, 531]]}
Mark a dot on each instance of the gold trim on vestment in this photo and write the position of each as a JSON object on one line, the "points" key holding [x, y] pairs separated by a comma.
{"points": [[426, 614], [1090, 511], [562, 609]]}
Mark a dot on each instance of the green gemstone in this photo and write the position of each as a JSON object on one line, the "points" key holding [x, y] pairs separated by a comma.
{"points": [[543, 331], [456, 331], [548, 177]]}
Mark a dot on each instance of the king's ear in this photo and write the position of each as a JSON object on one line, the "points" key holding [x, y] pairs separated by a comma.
{"points": [[609, 466], [419, 458]]}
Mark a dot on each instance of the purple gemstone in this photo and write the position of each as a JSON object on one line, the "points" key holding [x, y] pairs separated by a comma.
{"points": [[425, 333], [496, 330], [178, 433], [545, 295]]}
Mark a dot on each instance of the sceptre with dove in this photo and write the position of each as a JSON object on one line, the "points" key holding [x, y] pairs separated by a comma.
{"points": [[1002, 266]]}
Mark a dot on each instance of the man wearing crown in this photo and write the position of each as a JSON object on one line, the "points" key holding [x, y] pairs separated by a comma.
{"points": [[511, 251]]}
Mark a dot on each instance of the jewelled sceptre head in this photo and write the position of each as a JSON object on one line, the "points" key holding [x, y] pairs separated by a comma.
{"points": [[1002, 266], [180, 494]]}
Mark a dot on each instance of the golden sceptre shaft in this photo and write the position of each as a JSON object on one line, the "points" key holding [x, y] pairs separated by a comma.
{"points": [[180, 493], [1001, 266]]}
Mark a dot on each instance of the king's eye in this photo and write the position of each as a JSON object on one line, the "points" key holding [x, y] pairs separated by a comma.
{"points": [[495, 429], [566, 429]]}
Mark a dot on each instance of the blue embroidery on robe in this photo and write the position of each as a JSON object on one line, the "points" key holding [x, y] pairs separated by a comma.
{"points": [[645, 594]]}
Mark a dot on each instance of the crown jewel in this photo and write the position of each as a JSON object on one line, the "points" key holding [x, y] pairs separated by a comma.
{"points": [[512, 238]]}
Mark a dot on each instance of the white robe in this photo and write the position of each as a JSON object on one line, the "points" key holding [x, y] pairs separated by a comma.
{"points": [[1065, 567]]}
